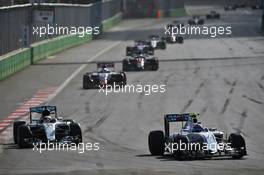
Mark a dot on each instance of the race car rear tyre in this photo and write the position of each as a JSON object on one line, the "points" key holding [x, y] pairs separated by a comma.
{"points": [[156, 143], [163, 45], [15, 129], [156, 66], [76, 132], [179, 39], [86, 84], [24, 133], [125, 66], [124, 80], [208, 16], [238, 143]]}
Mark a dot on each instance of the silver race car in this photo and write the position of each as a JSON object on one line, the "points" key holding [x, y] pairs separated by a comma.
{"points": [[156, 42], [45, 126], [196, 20], [140, 47], [105, 75], [188, 139], [140, 63]]}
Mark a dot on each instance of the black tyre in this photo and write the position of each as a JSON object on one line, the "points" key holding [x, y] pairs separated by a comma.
{"points": [[124, 80], [238, 144], [15, 129], [129, 51], [76, 132], [23, 134], [201, 22], [163, 45], [125, 66], [156, 65], [180, 153], [156, 143], [179, 39], [86, 82]]}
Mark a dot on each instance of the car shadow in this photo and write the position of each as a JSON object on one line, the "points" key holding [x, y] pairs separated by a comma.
{"points": [[168, 157]]}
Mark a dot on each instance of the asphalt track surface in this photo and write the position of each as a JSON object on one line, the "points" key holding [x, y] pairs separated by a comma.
{"points": [[221, 78]]}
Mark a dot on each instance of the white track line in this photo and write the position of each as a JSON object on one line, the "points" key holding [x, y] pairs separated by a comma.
{"points": [[76, 72]]}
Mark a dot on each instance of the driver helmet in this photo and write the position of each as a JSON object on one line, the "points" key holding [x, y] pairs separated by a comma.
{"points": [[104, 68], [197, 128], [45, 113]]}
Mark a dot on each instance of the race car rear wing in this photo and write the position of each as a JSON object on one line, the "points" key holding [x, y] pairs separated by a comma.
{"points": [[168, 118], [109, 65], [40, 109]]}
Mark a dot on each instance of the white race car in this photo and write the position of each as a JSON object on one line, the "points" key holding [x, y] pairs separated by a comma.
{"points": [[193, 141], [45, 126]]}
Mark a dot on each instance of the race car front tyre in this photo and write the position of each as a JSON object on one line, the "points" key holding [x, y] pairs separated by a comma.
{"points": [[156, 143], [179, 152], [23, 134], [15, 129], [76, 132], [238, 144]]}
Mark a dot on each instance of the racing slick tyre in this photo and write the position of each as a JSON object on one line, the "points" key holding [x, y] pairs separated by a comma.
{"points": [[238, 143], [201, 22], [129, 51], [24, 133], [208, 16], [76, 132], [86, 82], [155, 67], [124, 79], [179, 153], [156, 143], [179, 39], [15, 129], [125, 65], [163, 45]]}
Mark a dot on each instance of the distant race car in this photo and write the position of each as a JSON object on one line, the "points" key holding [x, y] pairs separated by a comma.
{"points": [[156, 42], [140, 47], [230, 7], [140, 63], [213, 15], [256, 7], [105, 75], [196, 20], [173, 38], [45, 126], [240, 5], [193, 141]]}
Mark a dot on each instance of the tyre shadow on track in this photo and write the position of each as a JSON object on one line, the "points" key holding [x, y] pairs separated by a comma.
{"points": [[9, 146], [171, 158]]}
